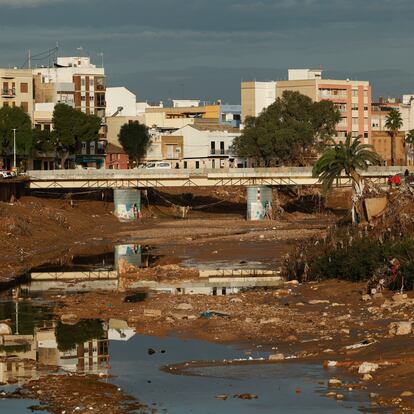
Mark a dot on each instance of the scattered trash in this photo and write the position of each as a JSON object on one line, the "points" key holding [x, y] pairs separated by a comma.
{"points": [[210, 313]]}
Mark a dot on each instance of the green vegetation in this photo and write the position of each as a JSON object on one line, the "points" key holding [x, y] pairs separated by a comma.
{"points": [[393, 123], [135, 140], [70, 128], [15, 118], [289, 131], [68, 336], [349, 157]]}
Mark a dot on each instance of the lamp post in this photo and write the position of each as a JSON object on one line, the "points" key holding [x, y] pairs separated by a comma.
{"points": [[14, 148]]}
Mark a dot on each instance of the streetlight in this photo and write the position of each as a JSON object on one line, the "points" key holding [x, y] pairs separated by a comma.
{"points": [[14, 148]]}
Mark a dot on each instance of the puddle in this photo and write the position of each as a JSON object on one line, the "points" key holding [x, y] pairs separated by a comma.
{"points": [[104, 271], [138, 364]]}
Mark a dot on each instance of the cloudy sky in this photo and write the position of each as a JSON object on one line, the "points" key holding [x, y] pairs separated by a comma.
{"points": [[203, 48]]}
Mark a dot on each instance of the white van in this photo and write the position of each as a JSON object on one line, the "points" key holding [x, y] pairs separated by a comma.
{"points": [[161, 165]]}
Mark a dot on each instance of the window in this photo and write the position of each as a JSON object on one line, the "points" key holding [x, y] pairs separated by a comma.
{"points": [[185, 164], [354, 107], [197, 164], [355, 121], [355, 93], [365, 134], [365, 93], [91, 97], [83, 98], [83, 81], [24, 87], [25, 106]]}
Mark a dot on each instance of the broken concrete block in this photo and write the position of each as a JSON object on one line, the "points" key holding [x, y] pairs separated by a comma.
{"points": [[400, 328], [154, 313], [367, 367]]}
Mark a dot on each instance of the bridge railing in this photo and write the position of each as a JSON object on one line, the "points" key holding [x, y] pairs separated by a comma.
{"points": [[187, 173]]}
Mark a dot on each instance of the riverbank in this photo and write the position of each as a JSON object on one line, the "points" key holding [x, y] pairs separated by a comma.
{"points": [[325, 321]]}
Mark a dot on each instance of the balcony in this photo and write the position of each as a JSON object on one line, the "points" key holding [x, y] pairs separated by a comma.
{"points": [[220, 152], [8, 93]]}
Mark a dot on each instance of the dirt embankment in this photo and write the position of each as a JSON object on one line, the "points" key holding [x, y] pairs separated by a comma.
{"points": [[35, 230]]}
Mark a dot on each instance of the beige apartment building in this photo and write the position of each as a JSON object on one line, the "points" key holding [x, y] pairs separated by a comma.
{"points": [[256, 96], [353, 98], [17, 89]]}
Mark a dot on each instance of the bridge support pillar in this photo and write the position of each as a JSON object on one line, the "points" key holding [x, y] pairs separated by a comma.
{"points": [[259, 203], [127, 203]]}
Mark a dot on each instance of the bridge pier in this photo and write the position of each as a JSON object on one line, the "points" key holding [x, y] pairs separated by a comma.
{"points": [[259, 202], [127, 203]]}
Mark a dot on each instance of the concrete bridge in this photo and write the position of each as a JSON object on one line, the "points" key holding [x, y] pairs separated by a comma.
{"points": [[142, 178]]}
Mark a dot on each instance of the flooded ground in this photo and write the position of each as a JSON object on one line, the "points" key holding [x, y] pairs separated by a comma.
{"points": [[140, 364], [172, 374]]}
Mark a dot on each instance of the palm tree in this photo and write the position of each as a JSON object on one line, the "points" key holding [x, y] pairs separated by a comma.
{"points": [[350, 157], [409, 140], [393, 123]]}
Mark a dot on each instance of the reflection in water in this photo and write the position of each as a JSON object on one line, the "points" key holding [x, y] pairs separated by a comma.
{"points": [[36, 338], [113, 348], [107, 272]]}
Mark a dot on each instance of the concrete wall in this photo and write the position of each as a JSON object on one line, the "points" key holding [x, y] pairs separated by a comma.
{"points": [[121, 97]]}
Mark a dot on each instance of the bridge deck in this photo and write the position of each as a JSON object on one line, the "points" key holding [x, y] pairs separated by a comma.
{"points": [[142, 178]]}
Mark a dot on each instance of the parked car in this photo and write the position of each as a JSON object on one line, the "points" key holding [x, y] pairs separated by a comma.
{"points": [[162, 165], [5, 174]]}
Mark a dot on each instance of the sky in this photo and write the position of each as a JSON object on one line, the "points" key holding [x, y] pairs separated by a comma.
{"points": [[202, 49]]}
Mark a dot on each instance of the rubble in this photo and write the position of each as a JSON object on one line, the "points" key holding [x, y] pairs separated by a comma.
{"points": [[367, 367], [400, 328]]}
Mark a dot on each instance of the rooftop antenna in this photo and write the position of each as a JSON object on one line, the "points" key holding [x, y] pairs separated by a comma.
{"points": [[101, 54], [29, 59]]}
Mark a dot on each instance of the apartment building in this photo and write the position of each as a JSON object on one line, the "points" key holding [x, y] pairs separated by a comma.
{"points": [[196, 146], [74, 81], [255, 97], [17, 89], [353, 98]]}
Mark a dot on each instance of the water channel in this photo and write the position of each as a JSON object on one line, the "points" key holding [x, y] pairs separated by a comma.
{"points": [[111, 347]]}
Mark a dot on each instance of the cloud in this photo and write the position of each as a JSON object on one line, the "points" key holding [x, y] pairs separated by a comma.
{"points": [[29, 3]]}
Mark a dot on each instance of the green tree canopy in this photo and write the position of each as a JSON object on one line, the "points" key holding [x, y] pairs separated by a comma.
{"points": [[288, 131], [348, 157], [15, 118], [43, 140], [71, 127], [393, 123], [135, 140]]}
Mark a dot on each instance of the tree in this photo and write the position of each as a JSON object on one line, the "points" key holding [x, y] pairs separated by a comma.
{"points": [[393, 123], [10, 118], [288, 131], [135, 140], [350, 157], [409, 140], [43, 140], [71, 127]]}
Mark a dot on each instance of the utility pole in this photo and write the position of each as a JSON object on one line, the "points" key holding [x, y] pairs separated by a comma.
{"points": [[14, 148]]}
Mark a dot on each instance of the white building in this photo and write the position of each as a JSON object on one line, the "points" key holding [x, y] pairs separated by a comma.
{"points": [[120, 101], [194, 146], [304, 74]]}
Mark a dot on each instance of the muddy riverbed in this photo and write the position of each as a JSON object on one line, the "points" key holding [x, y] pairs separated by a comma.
{"points": [[99, 303]]}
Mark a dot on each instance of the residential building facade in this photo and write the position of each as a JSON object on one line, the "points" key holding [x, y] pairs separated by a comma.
{"points": [[255, 97], [352, 98], [196, 146]]}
